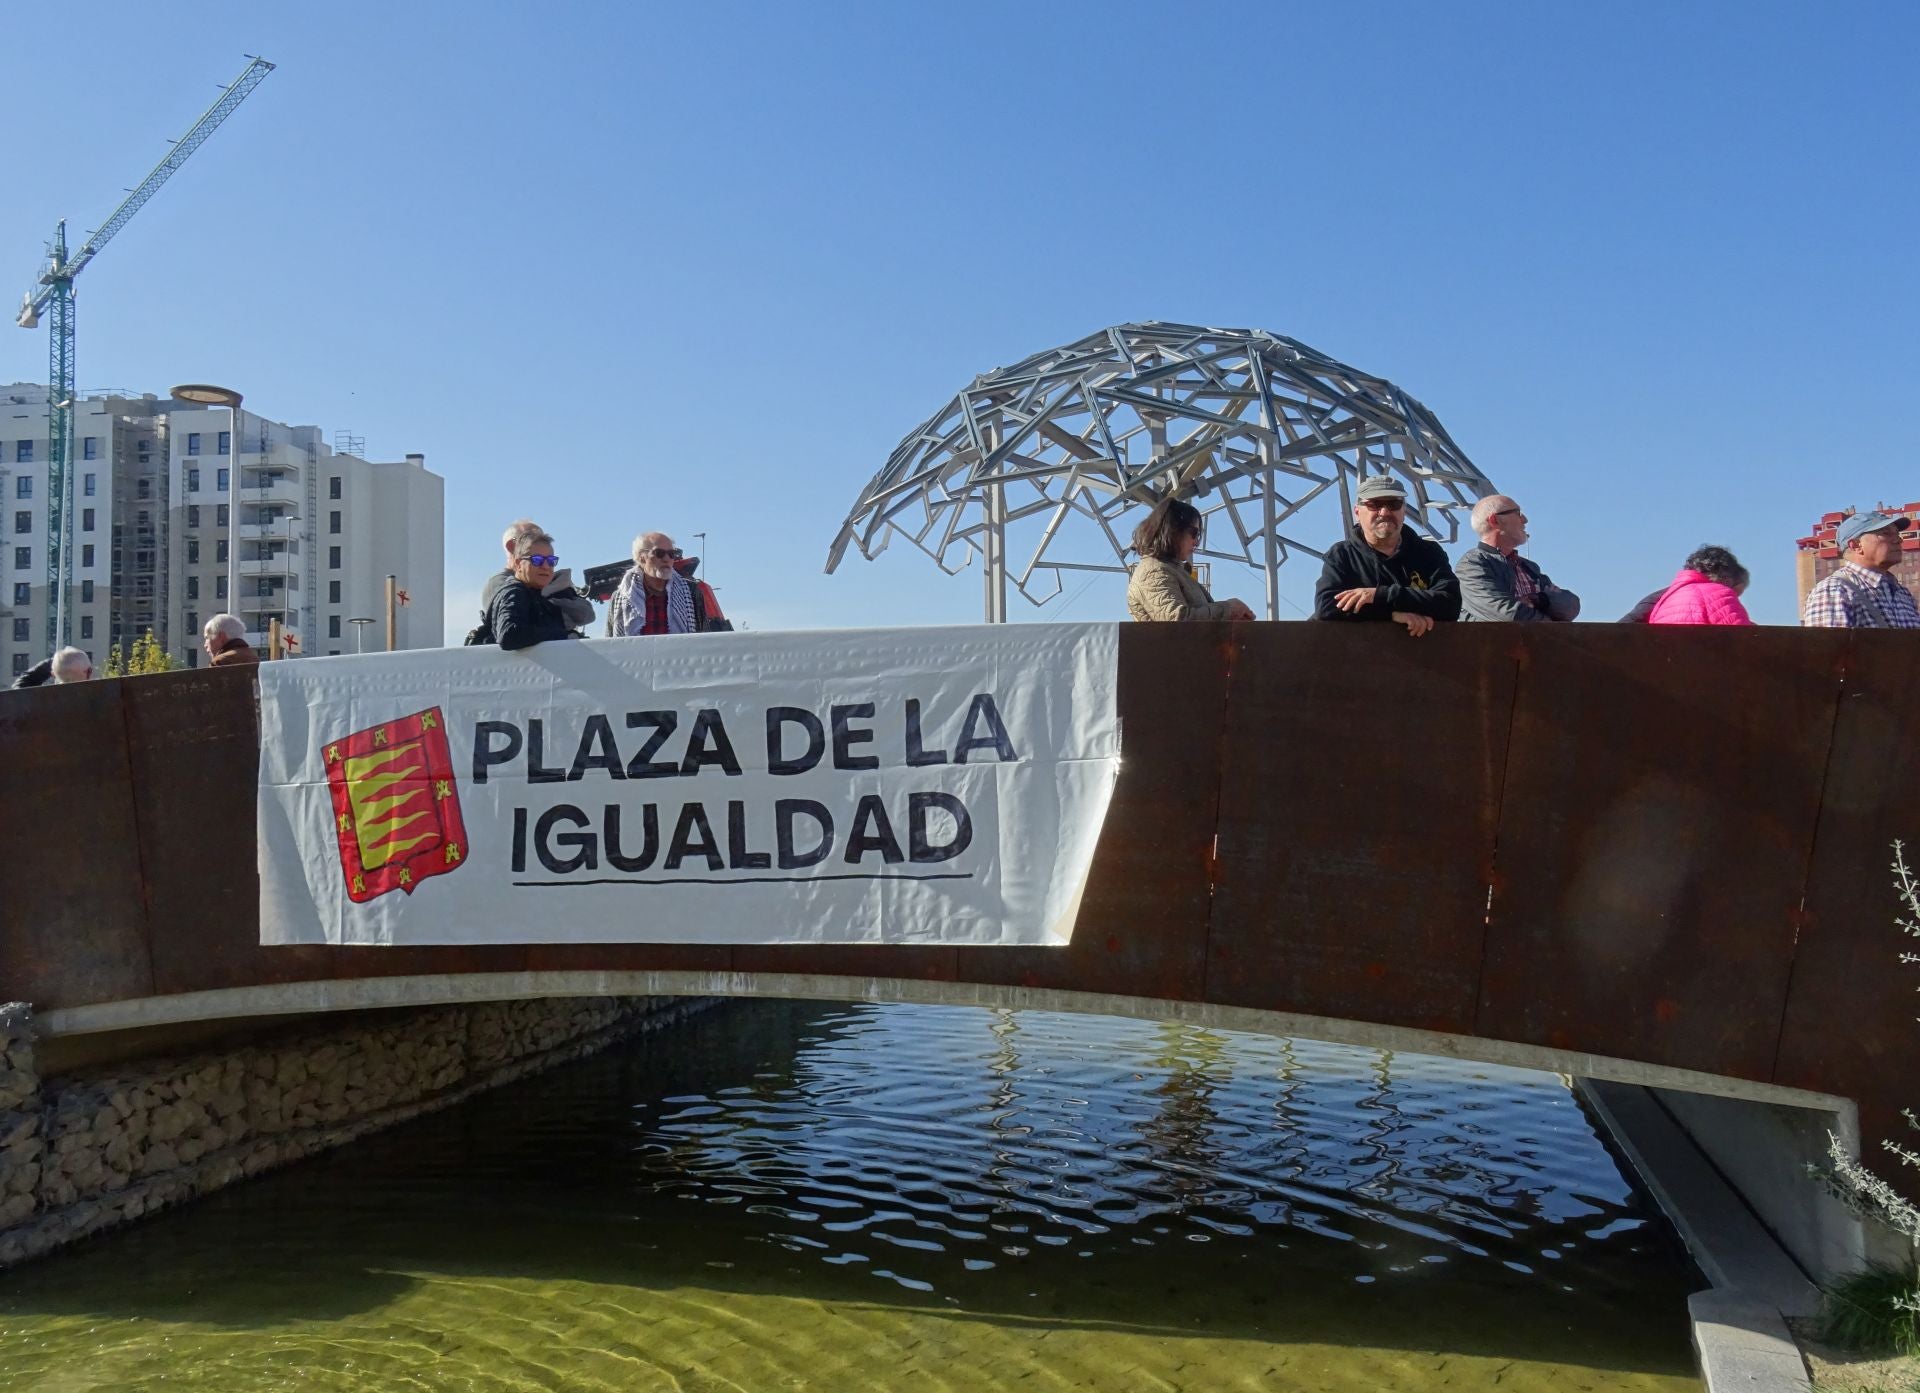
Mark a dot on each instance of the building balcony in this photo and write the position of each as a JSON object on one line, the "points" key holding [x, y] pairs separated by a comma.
{"points": [[271, 489], [279, 564], [251, 460], [279, 530]]}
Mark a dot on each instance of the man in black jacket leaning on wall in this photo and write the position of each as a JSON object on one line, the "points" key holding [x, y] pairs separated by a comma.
{"points": [[1384, 571]]}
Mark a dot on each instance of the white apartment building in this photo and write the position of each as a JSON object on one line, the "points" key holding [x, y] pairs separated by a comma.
{"points": [[317, 532]]}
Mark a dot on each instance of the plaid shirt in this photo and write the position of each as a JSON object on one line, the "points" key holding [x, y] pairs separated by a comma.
{"points": [[1856, 597], [1525, 588]]}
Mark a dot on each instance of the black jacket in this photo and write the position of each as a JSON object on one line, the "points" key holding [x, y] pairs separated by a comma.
{"points": [[38, 675], [1417, 579], [521, 616]]}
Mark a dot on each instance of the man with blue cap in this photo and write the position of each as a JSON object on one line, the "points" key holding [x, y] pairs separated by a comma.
{"points": [[1862, 593]]}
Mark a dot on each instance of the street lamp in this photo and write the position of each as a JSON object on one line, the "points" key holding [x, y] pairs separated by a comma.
{"points": [[205, 394], [359, 633]]}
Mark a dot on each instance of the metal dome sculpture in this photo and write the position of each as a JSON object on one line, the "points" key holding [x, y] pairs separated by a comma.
{"points": [[1250, 427]]}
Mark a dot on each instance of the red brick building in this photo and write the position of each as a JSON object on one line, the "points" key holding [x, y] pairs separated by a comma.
{"points": [[1818, 557]]}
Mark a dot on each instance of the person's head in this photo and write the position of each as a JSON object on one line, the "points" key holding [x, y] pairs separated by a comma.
{"points": [[1719, 564], [71, 665], [515, 531], [219, 630], [1498, 522], [1380, 510], [1871, 539], [654, 553], [534, 559], [1171, 532]]}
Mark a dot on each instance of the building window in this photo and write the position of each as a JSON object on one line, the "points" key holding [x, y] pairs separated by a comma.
{"points": [[22, 592], [23, 520], [23, 558], [23, 452], [220, 550], [22, 630], [193, 515], [333, 626], [86, 554], [146, 521], [145, 487], [87, 485], [333, 486], [226, 442], [193, 551], [86, 519], [86, 592], [193, 621], [193, 480], [90, 447], [220, 478], [19, 664], [220, 516], [333, 558], [219, 587], [23, 486], [193, 587], [333, 592], [333, 522], [193, 657], [86, 626], [193, 442]]}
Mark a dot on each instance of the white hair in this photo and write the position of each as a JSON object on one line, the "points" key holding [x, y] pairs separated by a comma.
{"points": [[224, 626], [510, 539], [641, 544], [68, 664], [528, 542], [1483, 511]]}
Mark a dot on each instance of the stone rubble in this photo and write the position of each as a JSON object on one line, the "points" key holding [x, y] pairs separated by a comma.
{"points": [[85, 1152]]}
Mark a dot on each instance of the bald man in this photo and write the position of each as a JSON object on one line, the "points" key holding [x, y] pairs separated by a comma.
{"points": [[1497, 583]]}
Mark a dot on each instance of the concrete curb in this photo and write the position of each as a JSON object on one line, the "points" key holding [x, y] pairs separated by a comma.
{"points": [[1740, 1335]]}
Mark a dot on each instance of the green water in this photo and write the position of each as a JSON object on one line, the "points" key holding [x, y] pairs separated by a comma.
{"points": [[799, 1196]]}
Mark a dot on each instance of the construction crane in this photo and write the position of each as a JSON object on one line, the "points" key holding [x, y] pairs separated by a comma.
{"points": [[54, 292]]}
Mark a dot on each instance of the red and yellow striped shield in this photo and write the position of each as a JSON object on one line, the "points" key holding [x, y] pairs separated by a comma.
{"points": [[396, 807]]}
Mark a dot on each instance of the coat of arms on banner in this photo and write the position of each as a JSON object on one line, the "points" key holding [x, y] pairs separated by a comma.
{"points": [[396, 807]]}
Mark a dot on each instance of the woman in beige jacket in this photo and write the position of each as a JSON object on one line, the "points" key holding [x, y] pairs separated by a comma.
{"points": [[1161, 587]]}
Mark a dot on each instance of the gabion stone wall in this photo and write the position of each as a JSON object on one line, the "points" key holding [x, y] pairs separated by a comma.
{"points": [[87, 1151]]}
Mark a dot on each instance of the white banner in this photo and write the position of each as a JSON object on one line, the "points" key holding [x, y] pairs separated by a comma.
{"points": [[863, 786]]}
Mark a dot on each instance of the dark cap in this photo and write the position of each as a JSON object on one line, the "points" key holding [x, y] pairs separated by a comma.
{"points": [[1862, 523], [1381, 486]]}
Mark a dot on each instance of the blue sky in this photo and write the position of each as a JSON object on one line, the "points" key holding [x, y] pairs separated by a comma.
{"points": [[700, 267]]}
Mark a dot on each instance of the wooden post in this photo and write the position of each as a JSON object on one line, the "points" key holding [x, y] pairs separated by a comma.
{"points": [[273, 640], [393, 616]]}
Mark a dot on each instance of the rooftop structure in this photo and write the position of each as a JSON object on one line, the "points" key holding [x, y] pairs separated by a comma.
{"points": [[1818, 557]]}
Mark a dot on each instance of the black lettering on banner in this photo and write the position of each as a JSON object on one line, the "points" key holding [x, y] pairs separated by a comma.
{"points": [[584, 845], [923, 851], [846, 736], [538, 773], [663, 724], [779, 716], [872, 831], [693, 818], [738, 857], [649, 839], [917, 756], [784, 812], [519, 840], [708, 744], [486, 754], [597, 750], [995, 739]]}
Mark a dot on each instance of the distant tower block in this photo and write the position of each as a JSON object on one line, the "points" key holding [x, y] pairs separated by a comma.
{"points": [[1044, 467]]}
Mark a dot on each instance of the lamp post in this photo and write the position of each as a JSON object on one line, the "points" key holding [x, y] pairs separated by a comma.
{"points": [[206, 394], [359, 633]]}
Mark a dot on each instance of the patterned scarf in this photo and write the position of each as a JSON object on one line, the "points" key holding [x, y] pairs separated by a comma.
{"points": [[630, 604]]}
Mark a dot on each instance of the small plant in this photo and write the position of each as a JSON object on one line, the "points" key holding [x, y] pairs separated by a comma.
{"points": [[147, 656], [1872, 1312]]}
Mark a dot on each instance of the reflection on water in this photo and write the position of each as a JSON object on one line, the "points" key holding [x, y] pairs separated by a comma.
{"points": [[791, 1195]]}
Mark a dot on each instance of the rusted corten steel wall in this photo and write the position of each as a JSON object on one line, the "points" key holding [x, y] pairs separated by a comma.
{"points": [[1662, 845]]}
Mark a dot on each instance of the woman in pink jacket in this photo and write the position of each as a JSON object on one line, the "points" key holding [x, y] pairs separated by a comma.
{"points": [[1707, 591]]}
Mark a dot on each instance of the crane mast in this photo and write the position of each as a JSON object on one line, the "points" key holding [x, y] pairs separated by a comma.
{"points": [[53, 293]]}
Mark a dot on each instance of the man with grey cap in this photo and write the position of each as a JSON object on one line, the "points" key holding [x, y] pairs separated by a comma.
{"points": [[1497, 583], [1863, 594], [1383, 571]]}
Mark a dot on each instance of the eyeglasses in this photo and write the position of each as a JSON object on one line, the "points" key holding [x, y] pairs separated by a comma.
{"points": [[1383, 505], [1195, 532], [536, 559], [1506, 512], [666, 553]]}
